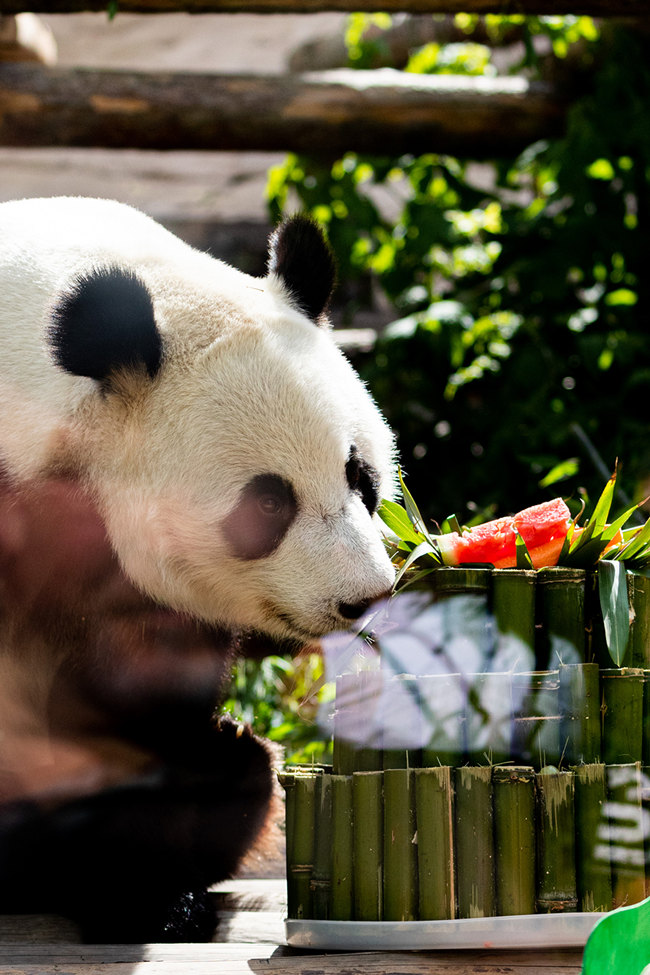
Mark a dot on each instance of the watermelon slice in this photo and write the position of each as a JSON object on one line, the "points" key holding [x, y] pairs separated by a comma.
{"points": [[542, 527]]}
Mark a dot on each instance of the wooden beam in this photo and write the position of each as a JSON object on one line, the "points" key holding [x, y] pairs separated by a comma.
{"points": [[595, 8], [382, 112]]}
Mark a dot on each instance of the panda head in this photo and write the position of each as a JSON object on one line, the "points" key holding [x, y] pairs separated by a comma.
{"points": [[236, 457]]}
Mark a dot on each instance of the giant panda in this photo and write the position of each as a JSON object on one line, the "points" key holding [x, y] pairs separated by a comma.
{"points": [[204, 428]]}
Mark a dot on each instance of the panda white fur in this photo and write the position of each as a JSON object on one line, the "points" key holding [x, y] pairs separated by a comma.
{"points": [[236, 456], [236, 461]]}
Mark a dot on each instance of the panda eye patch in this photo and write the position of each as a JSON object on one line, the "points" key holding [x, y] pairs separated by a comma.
{"points": [[260, 519], [363, 479]]}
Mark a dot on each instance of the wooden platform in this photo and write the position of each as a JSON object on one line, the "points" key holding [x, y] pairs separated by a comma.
{"points": [[251, 943]]}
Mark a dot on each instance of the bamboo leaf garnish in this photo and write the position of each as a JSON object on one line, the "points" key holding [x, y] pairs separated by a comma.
{"points": [[451, 524], [524, 560], [396, 518], [424, 548], [412, 510], [615, 607], [635, 551]]}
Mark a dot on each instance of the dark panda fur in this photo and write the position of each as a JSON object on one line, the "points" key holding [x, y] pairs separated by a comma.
{"points": [[104, 322], [133, 864]]}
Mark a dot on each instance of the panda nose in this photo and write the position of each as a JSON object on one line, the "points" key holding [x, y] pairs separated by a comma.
{"points": [[352, 611]]}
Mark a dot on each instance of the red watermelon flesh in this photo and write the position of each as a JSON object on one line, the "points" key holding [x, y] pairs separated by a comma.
{"points": [[542, 527]]}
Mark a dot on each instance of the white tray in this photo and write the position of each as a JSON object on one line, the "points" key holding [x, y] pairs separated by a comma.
{"points": [[519, 931]]}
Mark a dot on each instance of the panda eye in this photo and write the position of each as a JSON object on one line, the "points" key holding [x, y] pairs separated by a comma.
{"points": [[363, 479], [261, 518], [269, 504]]}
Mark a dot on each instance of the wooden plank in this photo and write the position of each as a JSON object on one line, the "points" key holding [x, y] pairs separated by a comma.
{"points": [[381, 112], [374, 963], [595, 8]]}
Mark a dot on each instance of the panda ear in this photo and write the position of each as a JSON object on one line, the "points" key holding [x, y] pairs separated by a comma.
{"points": [[103, 322], [302, 259]]}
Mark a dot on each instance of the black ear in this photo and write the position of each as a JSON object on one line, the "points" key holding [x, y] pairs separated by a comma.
{"points": [[103, 322], [300, 256]]}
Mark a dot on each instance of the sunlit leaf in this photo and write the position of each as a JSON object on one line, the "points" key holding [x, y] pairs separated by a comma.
{"points": [[614, 604], [524, 560]]}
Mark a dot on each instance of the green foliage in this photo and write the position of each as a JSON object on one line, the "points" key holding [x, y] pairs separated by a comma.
{"points": [[519, 286], [279, 698]]}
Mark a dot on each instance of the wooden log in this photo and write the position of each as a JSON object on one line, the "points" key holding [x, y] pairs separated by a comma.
{"points": [[382, 112], [596, 8]]}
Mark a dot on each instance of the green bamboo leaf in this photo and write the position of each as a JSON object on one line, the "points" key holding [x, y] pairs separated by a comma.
{"points": [[524, 560], [615, 607], [412, 509], [397, 520], [423, 549], [604, 503], [451, 525], [638, 546]]}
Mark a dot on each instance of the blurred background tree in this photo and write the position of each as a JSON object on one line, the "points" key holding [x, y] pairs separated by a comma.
{"points": [[517, 366]]}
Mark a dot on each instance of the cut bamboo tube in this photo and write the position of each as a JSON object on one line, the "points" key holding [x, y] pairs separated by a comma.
{"points": [[368, 845], [638, 593], [368, 755], [514, 831], [321, 878], [435, 848], [463, 605], [556, 867], [353, 718], [474, 842], [513, 607], [400, 861], [341, 904], [449, 580], [596, 645], [560, 613], [489, 718], [403, 730], [536, 718], [300, 791], [444, 715], [622, 715], [593, 868], [579, 703], [623, 833], [646, 719]]}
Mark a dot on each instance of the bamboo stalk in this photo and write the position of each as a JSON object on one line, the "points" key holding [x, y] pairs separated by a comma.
{"points": [[473, 823], [368, 811], [321, 878], [638, 592], [536, 718], [646, 718], [513, 607], [560, 612], [622, 715], [557, 890], [448, 580], [300, 788], [341, 903], [463, 601], [435, 849], [489, 718], [347, 724], [593, 868], [368, 756], [444, 714], [400, 862], [514, 830], [403, 733], [579, 704], [623, 832], [597, 650]]}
